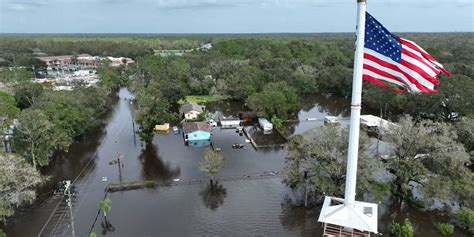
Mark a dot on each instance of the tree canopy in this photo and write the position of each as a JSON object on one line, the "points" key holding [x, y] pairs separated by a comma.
{"points": [[427, 157], [212, 162], [17, 183], [322, 152]]}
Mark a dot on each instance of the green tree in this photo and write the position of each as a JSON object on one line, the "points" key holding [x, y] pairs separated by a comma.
{"points": [[153, 109], [269, 103], [465, 219], [36, 137], [27, 93], [212, 163], [404, 229], [17, 183], [456, 96], [426, 154], [465, 132], [14, 75], [8, 109], [201, 116], [105, 206], [277, 122], [322, 152], [111, 78]]}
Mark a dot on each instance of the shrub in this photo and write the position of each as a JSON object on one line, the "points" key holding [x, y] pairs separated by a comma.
{"points": [[402, 230], [445, 229], [201, 116], [277, 122], [465, 219]]}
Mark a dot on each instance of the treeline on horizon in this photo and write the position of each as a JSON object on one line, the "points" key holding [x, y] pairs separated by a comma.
{"points": [[270, 73], [15, 48]]}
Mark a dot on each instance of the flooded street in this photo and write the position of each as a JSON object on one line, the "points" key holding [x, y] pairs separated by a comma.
{"points": [[260, 207]]}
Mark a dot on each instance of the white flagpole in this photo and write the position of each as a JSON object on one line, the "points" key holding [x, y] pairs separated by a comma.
{"points": [[353, 150]]}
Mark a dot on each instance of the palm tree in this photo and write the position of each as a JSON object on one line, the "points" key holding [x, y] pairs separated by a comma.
{"points": [[212, 163], [105, 205]]}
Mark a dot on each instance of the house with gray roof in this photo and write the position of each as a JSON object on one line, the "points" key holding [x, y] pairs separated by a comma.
{"points": [[190, 111]]}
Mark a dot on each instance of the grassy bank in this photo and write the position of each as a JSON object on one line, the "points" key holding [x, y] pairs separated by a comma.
{"points": [[202, 98]]}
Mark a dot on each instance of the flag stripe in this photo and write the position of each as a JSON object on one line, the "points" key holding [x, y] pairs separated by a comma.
{"points": [[406, 51], [415, 67], [393, 73], [370, 67], [399, 70], [376, 81]]}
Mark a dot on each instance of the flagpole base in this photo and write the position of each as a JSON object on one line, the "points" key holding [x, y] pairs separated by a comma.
{"points": [[360, 217]]}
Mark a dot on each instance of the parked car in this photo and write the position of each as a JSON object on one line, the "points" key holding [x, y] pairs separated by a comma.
{"points": [[237, 146]]}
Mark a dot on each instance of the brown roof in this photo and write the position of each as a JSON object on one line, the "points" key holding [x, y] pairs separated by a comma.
{"points": [[196, 126]]}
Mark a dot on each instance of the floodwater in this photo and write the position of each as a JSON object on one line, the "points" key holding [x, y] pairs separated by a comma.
{"points": [[263, 207]]}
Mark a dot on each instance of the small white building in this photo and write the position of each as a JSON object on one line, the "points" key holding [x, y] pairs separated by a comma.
{"points": [[375, 124], [190, 111], [331, 120], [206, 46], [229, 122], [265, 125]]}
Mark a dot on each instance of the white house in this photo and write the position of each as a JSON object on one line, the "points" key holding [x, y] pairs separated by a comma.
{"points": [[190, 111], [229, 122]]}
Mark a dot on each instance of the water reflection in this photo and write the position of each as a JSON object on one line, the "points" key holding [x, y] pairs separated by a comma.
{"points": [[153, 168], [213, 196], [298, 217], [107, 227]]}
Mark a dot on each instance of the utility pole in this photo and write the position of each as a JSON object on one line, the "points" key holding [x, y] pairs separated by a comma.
{"points": [[133, 123], [119, 167], [306, 189], [67, 192]]}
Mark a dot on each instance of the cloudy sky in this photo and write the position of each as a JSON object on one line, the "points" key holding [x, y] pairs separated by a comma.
{"points": [[228, 16]]}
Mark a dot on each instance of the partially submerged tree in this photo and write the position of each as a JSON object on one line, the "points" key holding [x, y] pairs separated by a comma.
{"points": [[105, 206], [18, 180], [322, 152], [212, 163], [34, 137], [427, 156], [153, 109]]}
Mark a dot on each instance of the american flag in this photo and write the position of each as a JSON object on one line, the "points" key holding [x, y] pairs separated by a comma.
{"points": [[389, 58]]}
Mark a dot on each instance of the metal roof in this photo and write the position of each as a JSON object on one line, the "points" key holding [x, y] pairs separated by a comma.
{"points": [[362, 215], [374, 121]]}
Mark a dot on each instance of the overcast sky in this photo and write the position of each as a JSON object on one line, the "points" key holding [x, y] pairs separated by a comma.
{"points": [[228, 16]]}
